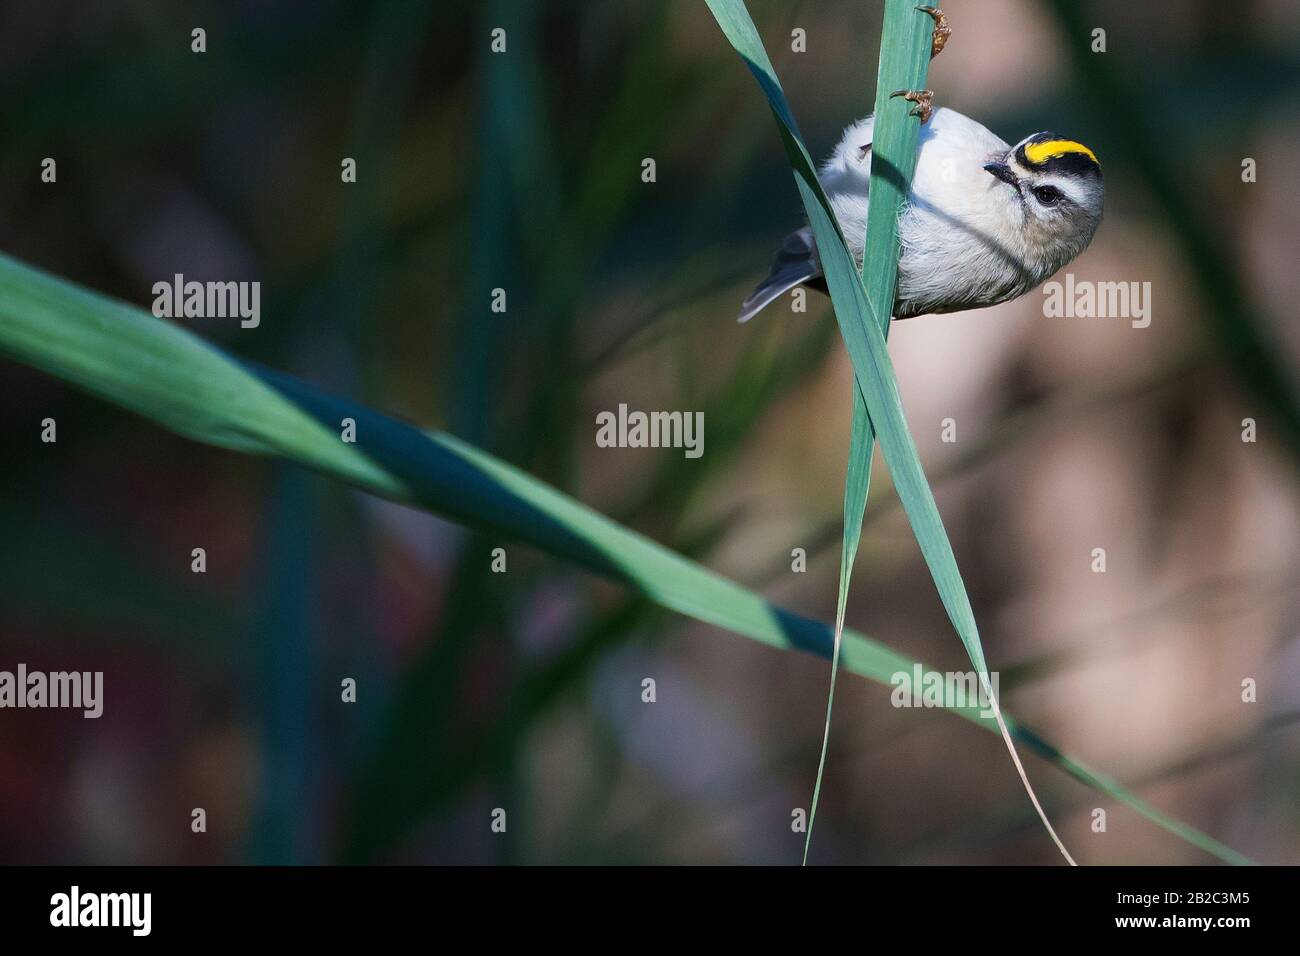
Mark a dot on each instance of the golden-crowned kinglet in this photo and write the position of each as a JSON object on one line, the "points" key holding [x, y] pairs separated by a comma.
{"points": [[983, 222]]}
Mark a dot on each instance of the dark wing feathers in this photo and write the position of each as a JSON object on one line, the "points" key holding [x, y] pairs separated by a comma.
{"points": [[794, 265]]}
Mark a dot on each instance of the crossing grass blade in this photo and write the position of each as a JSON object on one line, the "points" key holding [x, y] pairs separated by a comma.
{"points": [[863, 333], [904, 64], [857, 483], [169, 376]]}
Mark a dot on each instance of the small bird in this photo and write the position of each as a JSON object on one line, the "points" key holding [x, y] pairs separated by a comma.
{"points": [[983, 222]]}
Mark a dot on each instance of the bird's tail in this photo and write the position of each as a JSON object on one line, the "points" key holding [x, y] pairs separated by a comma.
{"points": [[795, 264]]}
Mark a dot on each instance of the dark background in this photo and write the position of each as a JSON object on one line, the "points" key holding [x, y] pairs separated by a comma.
{"points": [[523, 172]]}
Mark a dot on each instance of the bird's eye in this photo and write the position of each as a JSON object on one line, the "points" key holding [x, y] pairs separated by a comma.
{"points": [[1047, 195]]}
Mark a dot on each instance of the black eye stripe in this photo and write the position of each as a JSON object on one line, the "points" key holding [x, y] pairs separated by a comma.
{"points": [[1049, 195]]}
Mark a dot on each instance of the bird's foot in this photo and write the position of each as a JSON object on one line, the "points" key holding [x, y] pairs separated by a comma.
{"points": [[924, 100], [941, 29]]}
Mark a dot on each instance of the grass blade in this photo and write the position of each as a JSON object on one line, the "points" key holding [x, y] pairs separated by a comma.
{"points": [[169, 376], [904, 64], [862, 330], [857, 483]]}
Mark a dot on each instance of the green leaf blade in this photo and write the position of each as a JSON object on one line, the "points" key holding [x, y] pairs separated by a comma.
{"points": [[904, 63], [864, 336], [169, 376]]}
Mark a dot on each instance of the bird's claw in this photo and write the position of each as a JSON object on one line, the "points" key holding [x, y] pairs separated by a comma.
{"points": [[941, 29], [924, 100]]}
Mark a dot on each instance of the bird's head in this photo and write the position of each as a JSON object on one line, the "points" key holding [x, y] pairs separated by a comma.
{"points": [[1054, 188]]}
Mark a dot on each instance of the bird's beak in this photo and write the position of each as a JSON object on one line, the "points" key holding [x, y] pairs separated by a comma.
{"points": [[1003, 172]]}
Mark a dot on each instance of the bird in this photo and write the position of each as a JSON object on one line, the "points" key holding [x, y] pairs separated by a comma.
{"points": [[983, 222]]}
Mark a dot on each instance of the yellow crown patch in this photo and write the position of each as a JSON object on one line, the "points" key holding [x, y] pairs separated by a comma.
{"points": [[1040, 153]]}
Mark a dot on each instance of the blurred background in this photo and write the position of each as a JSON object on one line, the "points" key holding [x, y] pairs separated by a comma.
{"points": [[523, 691]]}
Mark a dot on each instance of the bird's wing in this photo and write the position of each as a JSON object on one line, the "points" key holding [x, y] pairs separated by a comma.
{"points": [[846, 177], [795, 264]]}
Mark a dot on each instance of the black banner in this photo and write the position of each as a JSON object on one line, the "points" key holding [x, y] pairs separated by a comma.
{"points": [[339, 905]]}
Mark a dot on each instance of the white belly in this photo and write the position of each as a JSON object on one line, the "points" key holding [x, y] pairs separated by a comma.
{"points": [[958, 251]]}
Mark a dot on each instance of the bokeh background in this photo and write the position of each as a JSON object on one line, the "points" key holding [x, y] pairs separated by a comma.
{"points": [[522, 690]]}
